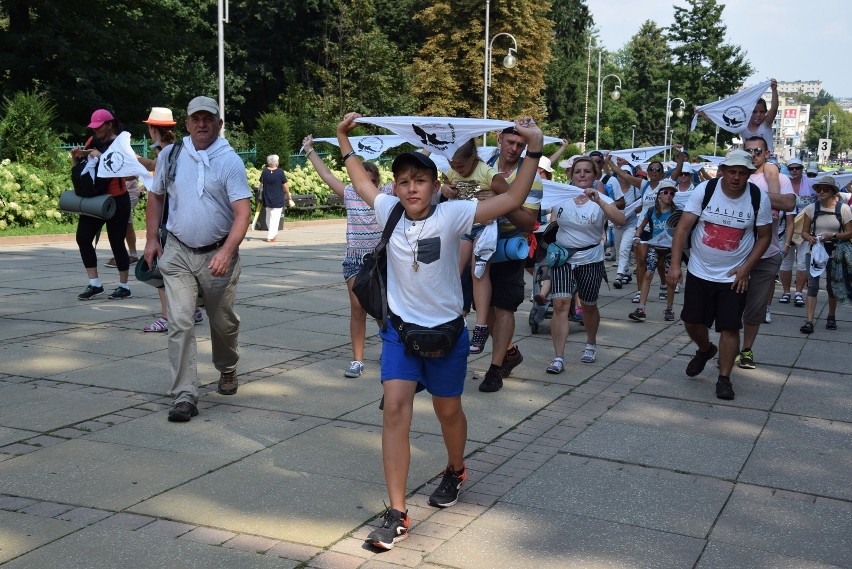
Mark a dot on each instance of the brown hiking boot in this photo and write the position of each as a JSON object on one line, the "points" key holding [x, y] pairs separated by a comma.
{"points": [[228, 383]]}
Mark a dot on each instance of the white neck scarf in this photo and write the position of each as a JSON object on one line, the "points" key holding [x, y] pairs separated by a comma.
{"points": [[369, 147], [202, 158], [733, 113], [440, 135], [637, 156]]}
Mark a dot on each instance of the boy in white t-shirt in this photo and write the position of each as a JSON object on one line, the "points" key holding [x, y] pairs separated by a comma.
{"points": [[725, 248], [423, 288]]}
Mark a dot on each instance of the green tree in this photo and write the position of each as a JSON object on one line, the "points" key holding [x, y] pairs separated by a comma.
{"points": [[26, 130], [273, 135], [647, 62], [448, 70], [706, 67], [841, 129], [565, 92]]}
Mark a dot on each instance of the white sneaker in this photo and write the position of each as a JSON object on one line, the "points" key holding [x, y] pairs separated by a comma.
{"points": [[768, 318]]}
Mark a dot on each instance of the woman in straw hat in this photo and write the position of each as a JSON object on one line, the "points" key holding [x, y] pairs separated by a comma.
{"points": [[828, 220]]}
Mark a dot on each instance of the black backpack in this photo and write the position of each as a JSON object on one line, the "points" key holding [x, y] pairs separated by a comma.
{"points": [[84, 185]]}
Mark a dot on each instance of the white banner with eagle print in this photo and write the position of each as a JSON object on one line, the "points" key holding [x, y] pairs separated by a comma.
{"points": [[119, 161], [638, 156], [440, 135], [369, 147], [734, 112]]}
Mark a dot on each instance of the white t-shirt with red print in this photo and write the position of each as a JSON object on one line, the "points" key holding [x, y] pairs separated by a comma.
{"points": [[724, 233]]}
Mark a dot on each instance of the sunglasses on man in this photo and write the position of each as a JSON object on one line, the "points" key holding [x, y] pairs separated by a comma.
{"points": [[655, 169], [794, 168], [754, 151]]}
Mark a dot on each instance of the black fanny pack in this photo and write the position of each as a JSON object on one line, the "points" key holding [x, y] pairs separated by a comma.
{"points": [[435, 342]]}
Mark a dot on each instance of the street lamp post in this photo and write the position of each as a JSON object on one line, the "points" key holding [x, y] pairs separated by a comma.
{"points": [[509, 61], [616, 93], [669, 114], [633, 136], [829, 120], [222, 19]]}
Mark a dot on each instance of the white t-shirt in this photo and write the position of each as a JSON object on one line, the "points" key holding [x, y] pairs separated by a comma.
{"points": [[649, 198], [630, 196], [581, 226], [762, 131], [786, 188], [432, 294], [724, 234]]}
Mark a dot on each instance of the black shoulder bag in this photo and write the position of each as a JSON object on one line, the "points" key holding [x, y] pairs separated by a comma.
{"points": [[370, 285]]}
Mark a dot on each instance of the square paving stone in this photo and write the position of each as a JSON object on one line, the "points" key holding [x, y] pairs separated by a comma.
{"points": [[755, 389], [44, 408], [20, 329], [316, 301], [831, 353], [9, 436], [263, 495], [488, 414], [105, 340], [290, 336], [796, 528], [725, 556], [99, 475], [97, 311], [803, 454], [817, 394], [214, 433], [318, 389], [645, 497], [713, 440], [101, 546], [510, 535], [20, 533], [32, 360]]}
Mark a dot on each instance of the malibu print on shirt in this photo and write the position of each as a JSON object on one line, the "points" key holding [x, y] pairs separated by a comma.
{"points": [[724, 227]]}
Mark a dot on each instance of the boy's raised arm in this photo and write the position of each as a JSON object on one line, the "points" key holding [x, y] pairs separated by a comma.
{"points": [[360, 180]]}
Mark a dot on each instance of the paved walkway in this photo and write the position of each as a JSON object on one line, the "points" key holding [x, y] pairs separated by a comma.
{"points": [[622, 463]]}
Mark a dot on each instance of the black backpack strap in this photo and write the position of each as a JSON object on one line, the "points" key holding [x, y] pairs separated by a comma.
{"points": [[837, 214], [755, 203], [393, 219], [380, 250], [709, 189]]}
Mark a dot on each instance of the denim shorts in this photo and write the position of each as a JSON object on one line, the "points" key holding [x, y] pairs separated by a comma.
{"points": [[442, 377], [474, 232], [351, 266]]}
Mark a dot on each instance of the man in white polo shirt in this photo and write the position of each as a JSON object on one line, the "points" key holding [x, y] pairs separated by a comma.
{"points": [[208, 215]]}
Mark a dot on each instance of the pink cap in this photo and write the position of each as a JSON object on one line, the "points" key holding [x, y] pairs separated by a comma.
{"points": [[99, 117]]}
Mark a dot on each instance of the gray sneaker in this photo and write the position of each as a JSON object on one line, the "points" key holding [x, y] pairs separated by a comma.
{"points": [[228, 383], [356, 368]]}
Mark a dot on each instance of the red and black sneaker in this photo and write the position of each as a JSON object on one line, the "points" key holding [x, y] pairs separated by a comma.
{"points": [[394, 528], [447, 492], [512, 360]]}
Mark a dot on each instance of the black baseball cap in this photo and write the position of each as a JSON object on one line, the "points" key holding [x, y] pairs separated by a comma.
{"points": [[596, 153], [416, 159]]}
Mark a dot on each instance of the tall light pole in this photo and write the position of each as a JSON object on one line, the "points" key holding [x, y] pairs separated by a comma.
{"points": [[633, 136], [509, 61], [669, 113], [829, 120], [222, 19], [616, 93]]}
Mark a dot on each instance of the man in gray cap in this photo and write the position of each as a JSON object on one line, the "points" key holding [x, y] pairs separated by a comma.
{"points": [[733, 228], [207, 218]]}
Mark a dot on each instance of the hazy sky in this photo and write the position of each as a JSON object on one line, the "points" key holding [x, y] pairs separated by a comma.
{"points": [[784, 39]]}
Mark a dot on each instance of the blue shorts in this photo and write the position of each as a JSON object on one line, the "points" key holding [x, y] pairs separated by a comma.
{"points": [[351, 266], [442, 377]]}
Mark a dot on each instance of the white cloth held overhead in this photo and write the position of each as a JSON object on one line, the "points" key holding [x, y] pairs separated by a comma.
{"points": [[637, 156], [714, 159], [119, 161], [369, 147], [440, 135], [202, 158], [486, 244], [556, 192], [733, 113]]}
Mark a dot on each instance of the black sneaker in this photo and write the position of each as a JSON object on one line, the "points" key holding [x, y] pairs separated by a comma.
{"points": [[638, 315], [394, 528], [228, 383], [699, 360], [182, 412], [90, 292], [512, 360], [447, 492], [120, 293], [493, 381], [724, 389]]}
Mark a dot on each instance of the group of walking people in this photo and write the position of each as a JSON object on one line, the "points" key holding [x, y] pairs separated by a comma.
{"points": [[198, 213]]}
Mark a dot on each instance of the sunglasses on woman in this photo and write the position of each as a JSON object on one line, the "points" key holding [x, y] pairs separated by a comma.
{"points": [[667, 192], [655, 169], [794, 168]]}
